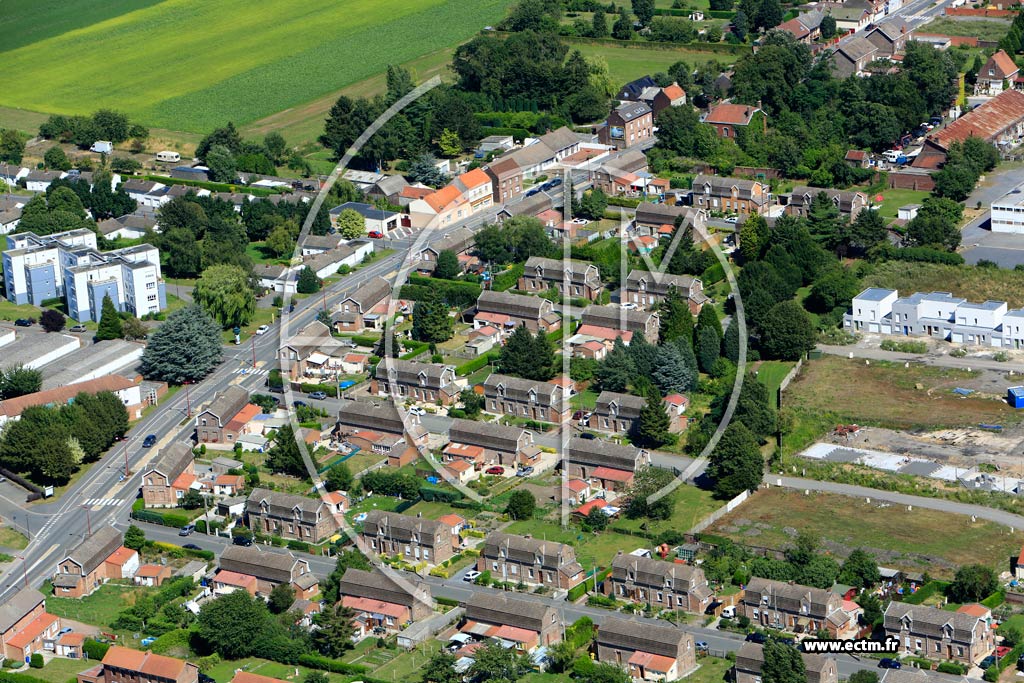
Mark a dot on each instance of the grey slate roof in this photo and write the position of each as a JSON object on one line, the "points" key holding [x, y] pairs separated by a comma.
{"points": [[516, 305], [857, 48], [647, 571], [580, 272], [628, 634], [527, 550], [17, 606], [269, 566], [458, 241], [284, 505], [508, 611], [930, 620], [750, 658], [429, 375], [602, 453], [660, 283], [401, 527], [368, 295], [376, 585], [622, 405], [226, 404], [391, 184], [523, 390], [632, 110], [789, 597], [723, 186], [91, 552], [315, 337], [659, 214], [380, 416], [486, 434], [843, 199], [616, 318], [173, 460], [560, 139]]}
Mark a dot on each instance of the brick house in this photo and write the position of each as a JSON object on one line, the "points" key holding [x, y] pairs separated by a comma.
{"points": [[726, 118], [648, 651], [620, 175], [939, 634], [506, 311], [792, 607], [124, 665], [535, 400], [458, 241], [890, 38], [541, 274], [25, 624], [215, 424], [630, 123], [268, 569], [85, 569], [378, 427], [381, 602], [526, 623], [999, 71], [497, 444], [849, 203], [615, 318], [646, 289], [533, 561], [616, 413], [670, 96], [604, 463], [165, 483], [659, 220], [506, 178], [290, 516], [730, 195], [852, 57], [151, 575], [750, 659], [421, 382], [664, 585], [356, 313], [415, 539], [313, 352]]}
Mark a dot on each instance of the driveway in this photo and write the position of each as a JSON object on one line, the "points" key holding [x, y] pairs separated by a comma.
{"points": [[979, 242]]}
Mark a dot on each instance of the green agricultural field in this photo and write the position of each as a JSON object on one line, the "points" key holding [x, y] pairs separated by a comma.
{"points": [[189, 65], [628, 63]]}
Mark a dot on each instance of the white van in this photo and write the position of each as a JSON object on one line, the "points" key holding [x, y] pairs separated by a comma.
{"points": [[729, 612], [168, 157], [102, 147]]}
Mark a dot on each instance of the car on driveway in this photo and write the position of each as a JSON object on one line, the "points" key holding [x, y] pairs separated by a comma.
{"points": [[497, 469], [987, 662], [471, 576], [758, 638], [149, 441], [889, 663], [318, 395], [416, 410], [525, 472], [77, 329], [24, 322]]}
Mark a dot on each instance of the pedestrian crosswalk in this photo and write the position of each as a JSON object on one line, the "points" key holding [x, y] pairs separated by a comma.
{"points": [[259, 372], [93, 502], [401, 232]]}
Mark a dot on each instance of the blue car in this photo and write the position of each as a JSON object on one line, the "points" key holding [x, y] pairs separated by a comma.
{"points": [[149, 441]]}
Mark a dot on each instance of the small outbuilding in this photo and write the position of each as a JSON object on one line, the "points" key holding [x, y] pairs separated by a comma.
{"points": [[1015, 396]]}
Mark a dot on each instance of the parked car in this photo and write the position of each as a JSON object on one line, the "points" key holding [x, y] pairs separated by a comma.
{"points": [[587, 435], [987, 662], [191, 546], [301, 404], [758, 638], [24, 322], [416, 410], [318, 395], [187, 530], [471, 576], [532, 192], [77, 329], [729, 612], [715, 604], [375, 234], [889, 663], [577, 415], [149, 441], [263, 329], [701, 645], [242, 540], [732, 219], [497, 469], [525, 472], [554, 182]]}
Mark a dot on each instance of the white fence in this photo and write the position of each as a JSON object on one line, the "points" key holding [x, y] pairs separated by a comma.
{"points": [[719, 513]]}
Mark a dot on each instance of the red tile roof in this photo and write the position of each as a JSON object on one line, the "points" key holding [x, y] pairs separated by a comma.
{"points": [[246, 677], [732, 114], [150, 570], [121, 556], [244, 415], [584, 510], [33, 630], [451, 519], [230, 578], [1003, 65], [604, 333], [236, 480], [577, 485], [371, 606], [474, 178], [975, 610], [461, 450], [674, 91], [794, 27], [652, 662], [612, 474], [444, 198], [13, 407], [987, 121], [145, 662], [411, 192], [458, 466], [856, 155], [513, 633]]}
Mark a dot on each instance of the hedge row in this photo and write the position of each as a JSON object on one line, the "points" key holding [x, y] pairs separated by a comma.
{"points": [[577, 592], [508, 279], [364, 340], [519, 134], [469, 367], [332, 665], [432, 494], [626, 202], [211, 186], [887, 252], [162, 518], [721, 48], [448, 602]]}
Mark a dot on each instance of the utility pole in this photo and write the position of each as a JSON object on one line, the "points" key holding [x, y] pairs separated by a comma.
{"points": [[188, 402], [253, 352], [88, 519]]}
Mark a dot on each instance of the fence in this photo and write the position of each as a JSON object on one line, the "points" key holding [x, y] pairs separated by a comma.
{"points": [[790, 376], [719, 513]]}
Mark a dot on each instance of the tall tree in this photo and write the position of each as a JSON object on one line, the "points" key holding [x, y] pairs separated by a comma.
{"points": [[351, 224], [236, 625], [623, 27], [972, 582], [860, 570], [399, 82], [447, 267], [17, 380], [334, 630], [110, 321], [782, 663], [516, 356], [185, 348], [282, 596], [521, 505], [222, 164], [787, 332], [671, 373], [307, 282], [653, 425], [440, 669], [676, 319], [430, 320], [599, 24], [735, 464], [225, 293], [616, 370], [543, 352], [284, 455], [12, 146], [644, 11], [707, 347]]}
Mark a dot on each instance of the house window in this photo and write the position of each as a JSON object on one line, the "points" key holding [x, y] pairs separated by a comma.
{"points": [[494, 566], [514, 569]]}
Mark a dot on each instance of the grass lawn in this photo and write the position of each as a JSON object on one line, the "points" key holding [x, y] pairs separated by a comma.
{"points": [[692, 505], [882, 394], [771, 373], [259, 253], [983, 29], [899, 537], [207, 63], [363, 459], [9, 538], [591, 548], [712, 670], [59, 669], [974, 284], [386, 503], [628, 63], [11, 311], [584, 400], [433, 510], [225, 671], [100, 608], [893, 199]]}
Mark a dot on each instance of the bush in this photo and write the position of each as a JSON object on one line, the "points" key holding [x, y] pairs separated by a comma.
{"points": [[36, 660], [469, 367], [951, 668], [328, 664], [94, 649], [904, 346], [298, 545]]}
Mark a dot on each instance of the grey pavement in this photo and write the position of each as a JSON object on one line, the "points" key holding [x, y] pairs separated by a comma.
{"points": [[939, 360], [978, 241]]}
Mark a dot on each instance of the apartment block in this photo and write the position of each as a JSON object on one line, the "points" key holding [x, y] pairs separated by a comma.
{"points": [[69, 266]]}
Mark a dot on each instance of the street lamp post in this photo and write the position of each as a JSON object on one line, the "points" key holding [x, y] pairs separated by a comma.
{"points": [[188, 402], [88, 519]]}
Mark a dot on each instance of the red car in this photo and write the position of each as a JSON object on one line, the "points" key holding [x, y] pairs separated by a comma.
{"points": [[495, 470], [376, 234]]}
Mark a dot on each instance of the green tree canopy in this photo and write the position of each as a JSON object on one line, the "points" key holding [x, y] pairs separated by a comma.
{"points": [[736, 464], [430, 320], [521, 505], [225, 292], [110, 321], [448, 267], [285, 456], [185, 348], [787, 331], [351, 224]]}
